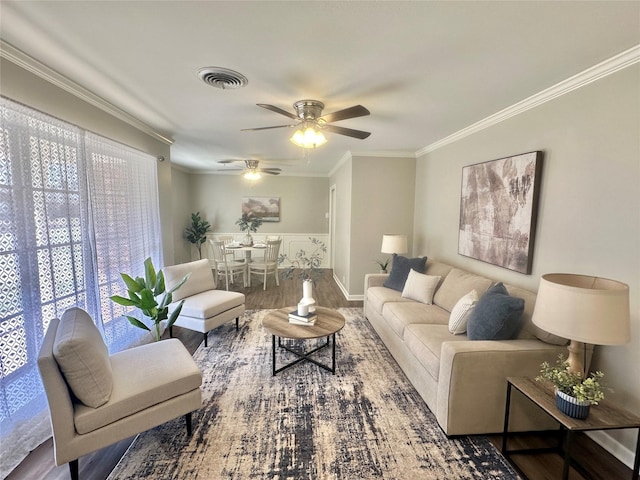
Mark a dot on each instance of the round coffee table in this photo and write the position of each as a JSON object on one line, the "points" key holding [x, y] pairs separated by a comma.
{"points": [[327, 324]]}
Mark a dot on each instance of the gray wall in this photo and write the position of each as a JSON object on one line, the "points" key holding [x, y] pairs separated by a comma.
{"points": [[304, 203], [383, 195], [374, 195], [29, 89], [589, 217]]}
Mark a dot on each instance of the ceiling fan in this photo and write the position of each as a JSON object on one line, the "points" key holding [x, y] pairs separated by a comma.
{"points": [[252, 170], [311, 122]]}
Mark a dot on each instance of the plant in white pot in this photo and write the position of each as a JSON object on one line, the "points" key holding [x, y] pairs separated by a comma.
{"points": [[306, 267], [144, 294], [249, 223], [574, 393]]}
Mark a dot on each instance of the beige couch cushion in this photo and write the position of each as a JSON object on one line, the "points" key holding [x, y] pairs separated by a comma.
{"points": [[142, 377], [377, 297], [425, 343], [83, 358], [400, 314], [528, 328], [210, 303], [437, 269], [200, 280], [456, 285]]}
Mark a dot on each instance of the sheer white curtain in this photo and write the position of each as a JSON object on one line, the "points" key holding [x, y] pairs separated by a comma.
{"points": [[75, 210]]}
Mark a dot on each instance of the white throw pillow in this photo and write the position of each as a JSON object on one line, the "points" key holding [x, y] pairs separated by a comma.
{"points": [[420, 287], [461, 312]]}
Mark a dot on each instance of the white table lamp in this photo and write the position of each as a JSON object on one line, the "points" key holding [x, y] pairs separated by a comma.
{"points": [[584, 309], [394, 243]]}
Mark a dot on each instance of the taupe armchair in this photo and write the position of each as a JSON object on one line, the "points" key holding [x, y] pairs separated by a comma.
{"points": [[96, 399]]}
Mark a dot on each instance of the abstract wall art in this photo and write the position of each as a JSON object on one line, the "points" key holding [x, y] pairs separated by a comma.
{"points": [[498, 210]]}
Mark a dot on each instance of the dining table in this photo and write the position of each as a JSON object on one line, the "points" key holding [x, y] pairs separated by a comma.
{"points": [[257, 247]]}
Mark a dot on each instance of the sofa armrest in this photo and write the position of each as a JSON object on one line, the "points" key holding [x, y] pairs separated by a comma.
{"points": [[472, 382], [374, 280]]}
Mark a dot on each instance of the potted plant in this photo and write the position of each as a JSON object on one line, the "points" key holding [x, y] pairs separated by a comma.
{"points": [[249, 223], [383, 264], [197, 232], [574, 393], [306, 266], [144, 294]]}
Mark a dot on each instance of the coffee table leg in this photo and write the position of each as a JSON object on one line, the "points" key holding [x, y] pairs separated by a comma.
{"points": [[333, 355], [273, 354]]}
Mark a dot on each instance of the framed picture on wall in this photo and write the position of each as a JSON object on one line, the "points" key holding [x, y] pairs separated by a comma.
{"points": [[498, 211], [267, 208]]}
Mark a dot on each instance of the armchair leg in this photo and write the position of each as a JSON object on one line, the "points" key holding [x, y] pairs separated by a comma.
{"points": [[237, 322], [170, 332], [205, 339], [73, 469], [187, 418]]}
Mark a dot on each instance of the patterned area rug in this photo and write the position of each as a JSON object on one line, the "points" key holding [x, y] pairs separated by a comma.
{"points": [[366, 421]]}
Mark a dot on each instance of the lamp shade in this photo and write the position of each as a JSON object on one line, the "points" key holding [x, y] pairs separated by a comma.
{"points": [[583, 308], [394, 243]]}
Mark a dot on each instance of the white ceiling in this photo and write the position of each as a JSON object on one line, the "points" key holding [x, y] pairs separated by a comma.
{"points": [[424, 69]]}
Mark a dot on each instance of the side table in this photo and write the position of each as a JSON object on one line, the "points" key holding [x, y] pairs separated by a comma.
{"points": [[604, 416]]}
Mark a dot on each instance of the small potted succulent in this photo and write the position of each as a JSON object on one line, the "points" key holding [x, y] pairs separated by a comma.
{"points": [[383, 264], [249, 223], [574, 393]]}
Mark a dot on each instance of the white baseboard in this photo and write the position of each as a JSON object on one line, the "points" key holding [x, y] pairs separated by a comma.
{"points": [[612, 446], [350, 298]]}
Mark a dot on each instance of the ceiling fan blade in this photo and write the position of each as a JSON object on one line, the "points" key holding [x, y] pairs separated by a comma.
{"points": [[351, 112], [230, 160], [349, 132], [265, 128], [279, 110], [270, 170]]}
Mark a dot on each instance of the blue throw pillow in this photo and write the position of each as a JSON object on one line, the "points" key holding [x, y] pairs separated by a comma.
{"points": [[497, 315], [400, 268]]}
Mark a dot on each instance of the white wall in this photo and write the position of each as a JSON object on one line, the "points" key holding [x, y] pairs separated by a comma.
{"points": [[589, 215], [341, 180]]}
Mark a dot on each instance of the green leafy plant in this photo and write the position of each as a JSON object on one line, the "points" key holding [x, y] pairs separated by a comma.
{"points": [[383, 264], [197, 232], [144, 294], [306, 266], [249, 222], [572, 383]]}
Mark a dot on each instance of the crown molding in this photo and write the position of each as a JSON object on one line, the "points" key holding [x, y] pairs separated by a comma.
{"points": [[590, 75], [38, 68]]}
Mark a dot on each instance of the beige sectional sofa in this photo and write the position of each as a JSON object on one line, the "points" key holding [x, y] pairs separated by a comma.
{"points": [[462, 381]]}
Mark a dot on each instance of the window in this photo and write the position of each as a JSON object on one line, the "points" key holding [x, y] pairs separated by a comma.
{"points": [[76, 209]]}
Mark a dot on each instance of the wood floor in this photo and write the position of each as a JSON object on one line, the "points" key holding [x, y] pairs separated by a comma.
{"points": [[97, 466]]}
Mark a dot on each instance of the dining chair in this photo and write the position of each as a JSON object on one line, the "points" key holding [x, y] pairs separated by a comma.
{"points": [[267, 265], [228, 239], [223, 265]]}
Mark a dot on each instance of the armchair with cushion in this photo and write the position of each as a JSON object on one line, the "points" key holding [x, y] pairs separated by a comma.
{"points": [[204, 308], [96, 400]]}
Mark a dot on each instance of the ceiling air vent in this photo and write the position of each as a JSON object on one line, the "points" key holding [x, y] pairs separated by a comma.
{"points": [[222, 78]]}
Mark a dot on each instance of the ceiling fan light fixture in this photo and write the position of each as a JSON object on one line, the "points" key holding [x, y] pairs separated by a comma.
{"points": [[252, 175], [308, 137]]}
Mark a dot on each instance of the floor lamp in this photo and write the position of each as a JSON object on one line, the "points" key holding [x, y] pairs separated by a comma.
{"points": [[584, 309]]}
